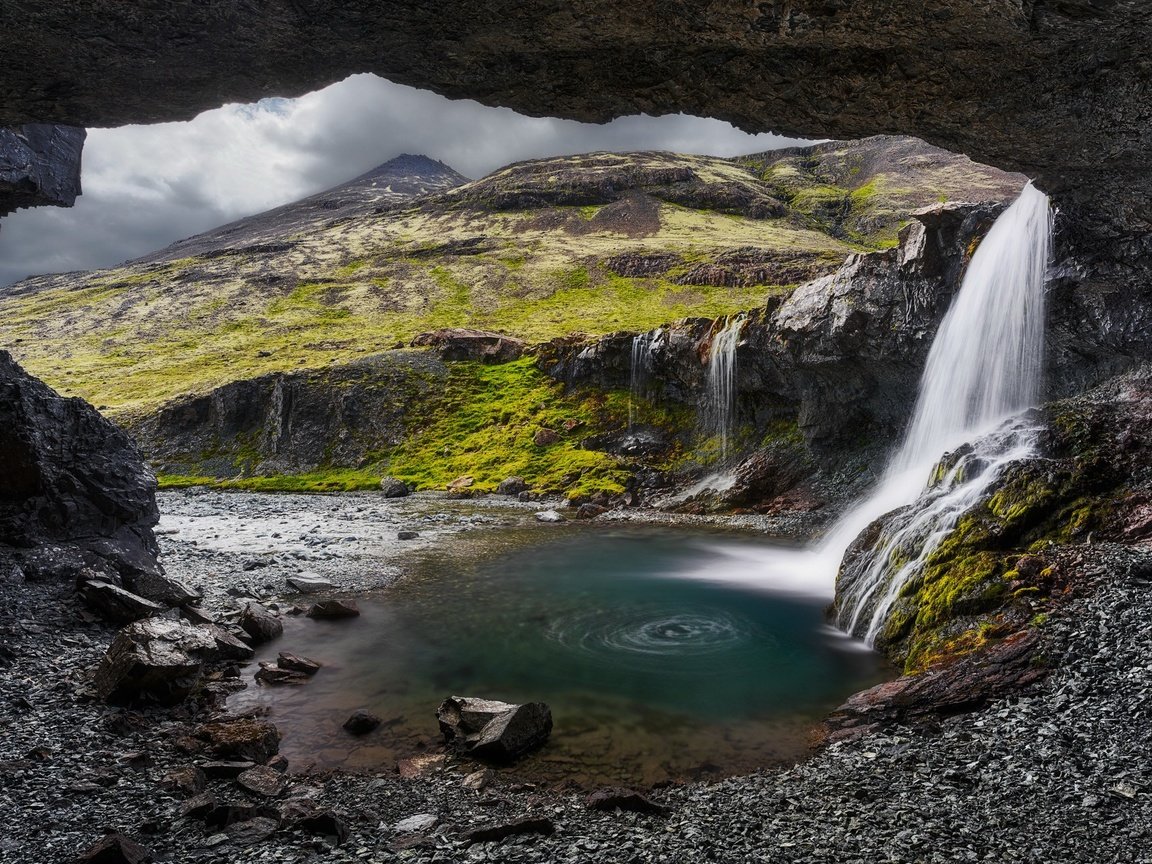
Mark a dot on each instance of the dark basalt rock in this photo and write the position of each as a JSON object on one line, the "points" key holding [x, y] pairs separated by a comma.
{"points": [[116, 849], [512, 486], [116, 604], [71, 477], [393, 488], [296, 663], [614, 798], [496, 731], [39, 165], [334, 609], [460, 344], [244, 738], [494, 832], [361, 722], [153, 660], [260, 624]]}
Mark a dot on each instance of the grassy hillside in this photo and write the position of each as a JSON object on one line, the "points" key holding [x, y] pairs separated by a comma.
{"points": [[590, 244]]}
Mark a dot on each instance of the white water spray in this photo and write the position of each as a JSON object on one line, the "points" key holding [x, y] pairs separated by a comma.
{"points": [[721, 393], [638, 371]]}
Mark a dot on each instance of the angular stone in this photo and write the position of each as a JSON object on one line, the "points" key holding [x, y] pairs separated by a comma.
{"points": [[116, 849], [614, 798], [262, 780], [590, 511], [306, 816], [224, 769], [361, 722], [493, 832], [334, 609], [480, 346], [478, 781], [417, 823], [393, 488], [186, 780], [260, 624], [512, 486], [407, 535], [198, 806], [252, 831], [549, 516], [309, 583], [496, 731], [296, 663], [154, 660], [246, 738], [227, 646], [115, 604]]}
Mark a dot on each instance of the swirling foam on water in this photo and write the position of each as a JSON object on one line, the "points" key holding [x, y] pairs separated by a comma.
{"points": [[655, 632]]}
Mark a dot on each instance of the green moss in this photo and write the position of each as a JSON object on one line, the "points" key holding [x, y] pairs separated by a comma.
{"points": [[334, 480]]}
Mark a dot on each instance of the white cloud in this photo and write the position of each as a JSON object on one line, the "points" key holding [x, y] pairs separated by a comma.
{"points": [[147, 186]]}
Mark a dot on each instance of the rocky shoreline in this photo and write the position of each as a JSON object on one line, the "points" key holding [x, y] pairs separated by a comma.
{"points": [[1056, 774]]}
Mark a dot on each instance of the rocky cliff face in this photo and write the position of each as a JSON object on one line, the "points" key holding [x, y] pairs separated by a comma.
{"points": [[39, 166], [71, 477]]}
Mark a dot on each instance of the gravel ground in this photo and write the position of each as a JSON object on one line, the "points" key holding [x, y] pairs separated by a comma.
{"points": [[1060, 774]]}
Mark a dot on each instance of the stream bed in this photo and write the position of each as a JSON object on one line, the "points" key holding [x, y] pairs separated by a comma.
{"points": [[660, 658]]}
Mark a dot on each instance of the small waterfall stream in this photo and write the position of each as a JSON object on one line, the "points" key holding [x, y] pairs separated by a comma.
{"points": [[721, 372], [638, 371]]}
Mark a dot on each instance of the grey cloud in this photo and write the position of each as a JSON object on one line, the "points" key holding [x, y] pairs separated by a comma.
{"points": [[147, 186]]}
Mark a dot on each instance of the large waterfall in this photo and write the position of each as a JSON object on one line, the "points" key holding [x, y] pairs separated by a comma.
{"points": [[985, 366], [721, 393]]}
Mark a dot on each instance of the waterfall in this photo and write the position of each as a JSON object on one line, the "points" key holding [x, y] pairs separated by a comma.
{"points": [[984, 366], [638, 371], [721, 394]]}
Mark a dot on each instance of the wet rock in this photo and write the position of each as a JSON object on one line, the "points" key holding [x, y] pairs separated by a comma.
{"points": [[246, 738], [260, 624], [186, 780], [614, 798], [361, 722], [296, 663], [155, 659], [496, 731], [590, 511], [460, 344], [262, 780], [227, 646], [280, 676], [549, 516], [393, 488], [116, 849], [225, 769], [512, 486], [334, 609], [407, 535], [116, 604], [494, 832], [309, 583], [279, 763]]}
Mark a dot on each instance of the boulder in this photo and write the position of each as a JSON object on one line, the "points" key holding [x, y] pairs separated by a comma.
{"points": [[544, 437], [71, 477], [186, 780], [116, 849], [362, 722], [491, 730], [306, 816], [115, 604], [309, 583], [260, 624], [512, 486], [393, 488], [228, 647], [480, 346], [590, 511], [407, 535], [245, 738], [278, 675], [334, 609], [154, 660], [549, 516]]}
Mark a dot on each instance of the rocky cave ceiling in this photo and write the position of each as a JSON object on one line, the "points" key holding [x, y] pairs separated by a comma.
{"points": [[1057, 89]]}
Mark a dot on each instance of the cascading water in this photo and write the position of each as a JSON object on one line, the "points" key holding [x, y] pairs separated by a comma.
{"points": [[721, 394], [638, 372], [984, 366]]}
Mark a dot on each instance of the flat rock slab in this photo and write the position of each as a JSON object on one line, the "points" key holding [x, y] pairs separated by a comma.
{"points": [[113, 603], [615, 798], [493, 832], [418, 823], [262, 780], [296, 663], [309, 583], [246, 739], [278, 676], [225, 769]]}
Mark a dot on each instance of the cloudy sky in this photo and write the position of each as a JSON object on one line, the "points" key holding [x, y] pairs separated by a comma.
{"points": [[146, 186]]}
